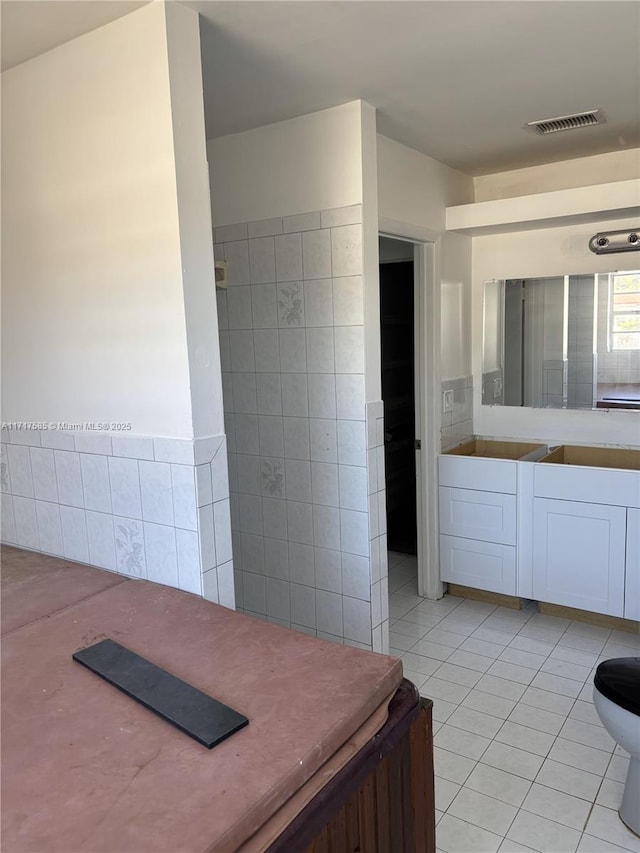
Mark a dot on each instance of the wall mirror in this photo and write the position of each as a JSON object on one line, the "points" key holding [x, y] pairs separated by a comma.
{"points": [[562, 342]]}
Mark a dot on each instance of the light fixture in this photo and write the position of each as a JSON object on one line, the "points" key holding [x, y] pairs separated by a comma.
{"points": [[609, 242]]}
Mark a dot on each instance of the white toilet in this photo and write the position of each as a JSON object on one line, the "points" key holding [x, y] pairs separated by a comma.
{"points": [[616, 696]]}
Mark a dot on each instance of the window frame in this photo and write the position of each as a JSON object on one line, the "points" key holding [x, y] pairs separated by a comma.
{"points": [[612, 314]]}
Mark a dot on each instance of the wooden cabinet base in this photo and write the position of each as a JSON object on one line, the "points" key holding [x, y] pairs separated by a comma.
{"points": [[382, 801]]}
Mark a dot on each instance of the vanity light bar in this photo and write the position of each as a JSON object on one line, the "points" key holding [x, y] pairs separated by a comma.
{"points": [[609, 242]]}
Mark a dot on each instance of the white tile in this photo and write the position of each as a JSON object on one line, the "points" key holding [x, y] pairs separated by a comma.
{"points": [[204, 489], [510, 846], [250, 507], [101, 539], [326, 527], [591, 844], [320, 350], [239, 311], [160, 554], [242, 355], [271, 434], [318, 302], [458, 674], [303, 605], [588, 734], [295, 394], [276, 558], [226, 233], [352, 443], [536, 647], [265, 227], [586, 712], [470, 660], [577, 656], [433, 650], [266, 346], [324, 440], [558, 806], [316, 254], [298, 479], [557, 684], [357, 619], [500, 687], [449, 765], [74, 533], [50, 530], [479, 809], [252, 553], [436, 688], [278, 599], [156, 492], [525, 738], [545, 700], [445, 792], [8, 522], [43, 470], [571, 780], [401, 643], [262, 260], [222, 529], [341, 216], [605, 824], [353, 487], [322, 394], [236, 254], [346, 250], [610, 794], [462, 742], [482, 647], [566, 669], [618, 768], [324, 483], [329, 612], [188, 556], [296, 438], [20, 470], [475, 721], [355, 576], [178, 450], [522, 658], [92, 442], [291, 308], [348, 301], [95, 482], [254, 593], [350, 396], [245, 398], [300, 522], [487, 703], [580, 756], [498, 783], [288, 249], [354, 532], [210, 585], [59, 440], [301, 563], [349, 349], [535, 718], [543, 835], [512, 760], [458, 836], [26, 523], [256, 476], [301, 222], [130, 557], [293, 351], [328, 570], [269, 393], [263, 309]]}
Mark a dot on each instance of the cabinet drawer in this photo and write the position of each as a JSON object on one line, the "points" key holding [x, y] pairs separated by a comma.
{"points": [[488, 516], [588, 485], [482, 565], [490, 475]]}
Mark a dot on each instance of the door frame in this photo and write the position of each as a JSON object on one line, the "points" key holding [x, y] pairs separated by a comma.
{"points": [[427, 393]]}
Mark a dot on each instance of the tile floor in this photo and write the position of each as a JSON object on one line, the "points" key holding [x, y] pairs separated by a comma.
{"points": [[521, 759]]}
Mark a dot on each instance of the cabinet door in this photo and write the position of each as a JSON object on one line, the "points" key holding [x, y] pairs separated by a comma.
{"points": [[632, 583], [579, 555], [481, 565], [478, 515]]}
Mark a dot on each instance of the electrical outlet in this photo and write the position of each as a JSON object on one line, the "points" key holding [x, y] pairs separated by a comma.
{"points": [[447, 402], [497, 388]]}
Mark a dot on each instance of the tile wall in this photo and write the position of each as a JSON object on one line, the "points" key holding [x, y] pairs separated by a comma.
{"points": [[305, 498], [153, 508], [457, 425], [618, 366], [580, 349]]}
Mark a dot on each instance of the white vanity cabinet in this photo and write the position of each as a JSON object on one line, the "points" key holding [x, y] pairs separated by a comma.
{"points": [[632, 585]]}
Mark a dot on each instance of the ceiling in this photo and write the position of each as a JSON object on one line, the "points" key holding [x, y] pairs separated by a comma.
{"points": [[455, 79]]}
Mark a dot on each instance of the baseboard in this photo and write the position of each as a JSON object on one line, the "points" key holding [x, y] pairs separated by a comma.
{"points": [[602, 620], [511, 601]]}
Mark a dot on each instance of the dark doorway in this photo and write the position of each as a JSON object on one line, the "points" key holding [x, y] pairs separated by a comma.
{"points": [[398, 384]]}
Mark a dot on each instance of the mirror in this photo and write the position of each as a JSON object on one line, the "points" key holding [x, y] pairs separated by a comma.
{"points": [[562, 342]]}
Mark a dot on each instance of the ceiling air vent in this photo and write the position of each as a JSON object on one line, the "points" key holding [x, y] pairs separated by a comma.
{"points": [[572, 122]]}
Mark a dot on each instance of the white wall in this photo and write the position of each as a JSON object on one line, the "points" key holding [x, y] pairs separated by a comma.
{"points": [[323, 150], [566, 174], [532, 254], [93, 309], [414, 189]]}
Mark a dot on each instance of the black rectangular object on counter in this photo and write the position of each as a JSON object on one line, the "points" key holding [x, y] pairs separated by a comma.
{"points": [[192, 711]]}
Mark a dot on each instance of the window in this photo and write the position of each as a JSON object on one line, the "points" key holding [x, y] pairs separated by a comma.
{"points": [[624, 311]]}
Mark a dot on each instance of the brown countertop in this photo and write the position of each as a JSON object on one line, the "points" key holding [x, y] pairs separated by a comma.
{"points": [[85, 768]]}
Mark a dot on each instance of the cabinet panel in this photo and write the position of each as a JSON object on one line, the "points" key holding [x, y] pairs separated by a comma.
{"points": [[472, 514], [579, 555], [632, 583], [468, 472], [587, 485], [482, 565]]}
